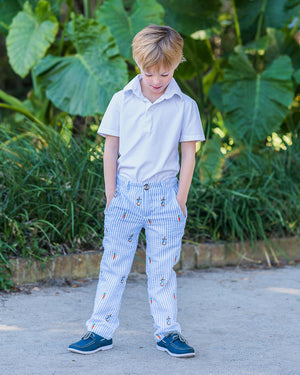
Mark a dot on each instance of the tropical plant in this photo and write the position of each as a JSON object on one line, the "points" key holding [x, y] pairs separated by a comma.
{"points": [[98, 69], [85, 49], [247, 35], [242, 68], [124, 25], [52, 192], [30, 36]]}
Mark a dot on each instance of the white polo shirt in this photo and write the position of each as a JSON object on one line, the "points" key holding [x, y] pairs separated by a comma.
{"points": [[150, 132]]}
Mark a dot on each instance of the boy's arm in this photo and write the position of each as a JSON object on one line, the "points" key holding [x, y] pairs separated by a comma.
{"points": [[110, 158], [188, 150]]}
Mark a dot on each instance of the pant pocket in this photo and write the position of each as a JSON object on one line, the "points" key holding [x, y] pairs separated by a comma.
{"points": [[112, 202], [175, 190]]}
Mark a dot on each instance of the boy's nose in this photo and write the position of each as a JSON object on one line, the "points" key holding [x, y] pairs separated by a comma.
{"points": [[156, 81]]}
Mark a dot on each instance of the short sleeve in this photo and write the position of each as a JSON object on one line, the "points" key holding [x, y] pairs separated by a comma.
{"points": [[192, 126], [110, 124]]}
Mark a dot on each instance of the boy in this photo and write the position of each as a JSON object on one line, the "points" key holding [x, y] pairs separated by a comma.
{"points": [[143, 126]]}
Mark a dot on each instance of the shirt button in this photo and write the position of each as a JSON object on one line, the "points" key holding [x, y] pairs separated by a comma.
{"points": [[146, 187]]}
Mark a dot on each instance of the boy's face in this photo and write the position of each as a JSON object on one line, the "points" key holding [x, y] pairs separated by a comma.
{"points": [[155, 80]]}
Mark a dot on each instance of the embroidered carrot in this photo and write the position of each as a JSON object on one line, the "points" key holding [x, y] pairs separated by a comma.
{"points": [[93, 326], [174, 296], [149, 221], [149, 260], [104, 294], [178, 217], [124, 215], [158, 337], [151, 301], [114, 257]]}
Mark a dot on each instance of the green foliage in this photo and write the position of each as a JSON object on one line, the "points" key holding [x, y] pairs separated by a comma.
{"points": [[52, 192], [30, 35], [85, 49], [124, 25], [16, 105], [270, 14], [10, 8], [189, 16], [257, 197], [52, 195], [297, 76], [242, 68], [198, 55], [282, 43], [212, 162], [98, 69], [256, 104]]}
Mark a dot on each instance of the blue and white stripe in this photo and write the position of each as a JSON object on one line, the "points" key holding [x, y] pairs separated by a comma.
{"points": [[152, 206]]}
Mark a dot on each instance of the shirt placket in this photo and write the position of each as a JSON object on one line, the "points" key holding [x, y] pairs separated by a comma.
{"points": [[148, 118]]}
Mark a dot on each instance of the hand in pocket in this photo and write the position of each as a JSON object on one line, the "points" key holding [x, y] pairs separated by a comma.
{"points": [[181, 205]]}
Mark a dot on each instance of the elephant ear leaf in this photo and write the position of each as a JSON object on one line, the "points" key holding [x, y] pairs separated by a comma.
{"points": [[123, 25], [212, 161], [189, 16], [83, 83], [276, 14], [256, 103], [297, 76], [30, 35]]}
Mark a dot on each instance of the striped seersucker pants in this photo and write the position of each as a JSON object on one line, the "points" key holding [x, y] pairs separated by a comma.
{"points": [[153, 206]]}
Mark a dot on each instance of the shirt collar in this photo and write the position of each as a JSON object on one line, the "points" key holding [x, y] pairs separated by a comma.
{"points": [[135, 87]]}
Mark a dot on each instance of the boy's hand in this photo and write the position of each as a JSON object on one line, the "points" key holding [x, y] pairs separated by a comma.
{"points": [[109, 196], [181, 203], [108, 201]]}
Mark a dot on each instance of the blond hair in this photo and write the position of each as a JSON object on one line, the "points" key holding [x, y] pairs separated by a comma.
{"points": [[157, 45]]}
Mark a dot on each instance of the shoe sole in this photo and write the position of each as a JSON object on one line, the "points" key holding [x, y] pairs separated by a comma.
{"points": [[106, 347], [185, 355]]}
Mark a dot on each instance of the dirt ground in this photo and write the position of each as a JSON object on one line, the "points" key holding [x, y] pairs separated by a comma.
{"points": [[241, 322]]}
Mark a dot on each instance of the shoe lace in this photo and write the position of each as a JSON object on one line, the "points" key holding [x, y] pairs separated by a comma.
{"points": [[178, 336], [87, 335]]}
